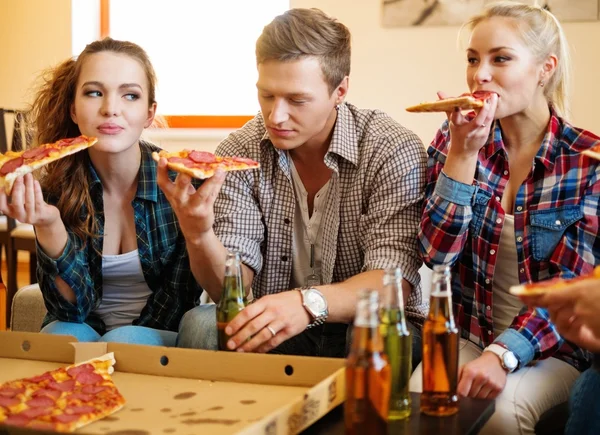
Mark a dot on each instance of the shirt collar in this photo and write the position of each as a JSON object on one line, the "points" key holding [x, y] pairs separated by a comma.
{"points": [[147, 185]]}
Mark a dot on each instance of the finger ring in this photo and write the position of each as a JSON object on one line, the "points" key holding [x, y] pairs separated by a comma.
{"points": [[271, 330], [482, 125]]}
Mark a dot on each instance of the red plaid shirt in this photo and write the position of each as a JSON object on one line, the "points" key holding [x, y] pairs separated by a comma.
{"points": [[556, 232]]}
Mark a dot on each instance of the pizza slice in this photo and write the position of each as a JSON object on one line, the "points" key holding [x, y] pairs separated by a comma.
{"points": [[593, 152], [554, 284], [64, 399], [466, 101], [202, 164], [16, 163]]}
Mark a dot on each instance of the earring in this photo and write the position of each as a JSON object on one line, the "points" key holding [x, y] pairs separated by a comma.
{"points": [[337, 107], [541, 84]]}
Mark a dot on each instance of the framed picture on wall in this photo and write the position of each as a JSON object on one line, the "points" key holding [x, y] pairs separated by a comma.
{"points": [[403, 13]]}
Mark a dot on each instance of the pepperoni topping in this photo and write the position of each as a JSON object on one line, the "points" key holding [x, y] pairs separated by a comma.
{"points": [[80, 396], [186, 162], [202, 157], [65, 418], [17, 420], [63, 386], [35, 412], [93, 389], [33, 152], [41, 402], [89, 378], [74, 371], [244, 160], [11, 166], [11, 392], [53, 394], [38, 379], [71, 141], [8, 401], [84, 409]]}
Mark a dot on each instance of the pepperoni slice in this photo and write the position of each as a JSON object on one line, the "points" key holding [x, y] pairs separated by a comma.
{"points": [[65, 418], [41, 402], [70, 141], [11, 165], [93, 389], [78, 410], [89, 378], [63, 386], [202, 157], [53, 394], [17, 420], [11, 392], [35, 412], [80, 396], [244, 160], [33, 152], [186, 162], [8, 401], [38, 379], [74, 371]]}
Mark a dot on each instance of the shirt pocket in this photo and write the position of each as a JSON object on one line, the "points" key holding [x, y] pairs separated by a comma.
{"points": [[548, 227], [479, 209]]}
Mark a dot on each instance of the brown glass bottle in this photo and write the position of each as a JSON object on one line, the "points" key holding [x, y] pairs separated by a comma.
{"points": [[232, 298], [368, 373], [440, 349]]}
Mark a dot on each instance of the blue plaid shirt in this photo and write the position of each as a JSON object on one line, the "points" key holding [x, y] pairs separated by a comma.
{"points": [[162, 252]]}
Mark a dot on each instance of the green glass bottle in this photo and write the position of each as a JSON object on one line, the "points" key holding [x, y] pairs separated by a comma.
{"points": [[233, 298], [397, 343]]}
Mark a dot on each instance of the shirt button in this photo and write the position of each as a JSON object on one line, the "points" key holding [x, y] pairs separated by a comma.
{"points": [[489, 332], [522, 270], [487, 280], [505, 172], [519, 208], [498, 198], [498, 221], [284, 258], [488, 308], [519, 239], [286, 221], [557, 222], [492, 251]]}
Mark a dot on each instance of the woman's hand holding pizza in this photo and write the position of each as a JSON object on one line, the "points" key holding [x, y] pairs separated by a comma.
{"points": [[193, 207], [27, 204], [468, 137]]}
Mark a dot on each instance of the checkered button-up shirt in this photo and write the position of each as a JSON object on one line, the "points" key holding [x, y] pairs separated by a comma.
{"points": [[374, 207], [556, 232], [162, 253]]}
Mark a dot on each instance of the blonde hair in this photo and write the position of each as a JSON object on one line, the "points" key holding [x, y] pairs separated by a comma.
{"points": [[543, 34], [300, 33], [67, 181]]}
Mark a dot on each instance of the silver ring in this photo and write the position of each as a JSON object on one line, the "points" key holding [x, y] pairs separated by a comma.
{"points": [[271, 330]]}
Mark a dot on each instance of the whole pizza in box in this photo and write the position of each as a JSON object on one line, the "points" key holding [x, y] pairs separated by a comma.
{"points": [[64, 399]]}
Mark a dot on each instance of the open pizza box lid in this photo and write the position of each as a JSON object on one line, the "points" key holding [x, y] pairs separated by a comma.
{"points": [[186, 391]]}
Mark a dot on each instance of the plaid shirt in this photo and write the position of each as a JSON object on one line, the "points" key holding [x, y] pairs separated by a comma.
{"points": [[556, 230], [162, 252], [371, 221]]}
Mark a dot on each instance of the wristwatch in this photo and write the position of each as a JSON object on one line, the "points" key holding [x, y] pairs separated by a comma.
{"points": [[508, 359], [315, 303]]}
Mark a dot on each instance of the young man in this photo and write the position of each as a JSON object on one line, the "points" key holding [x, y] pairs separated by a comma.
{"points": [[337, 199]]}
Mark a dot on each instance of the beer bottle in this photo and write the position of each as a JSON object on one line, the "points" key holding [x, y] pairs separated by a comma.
{"points": [[232, 299], [397, 343], [367, 372], [440, 349]]}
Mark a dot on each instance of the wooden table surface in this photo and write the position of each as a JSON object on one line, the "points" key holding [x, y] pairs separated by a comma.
{"points": [[472, 415]]}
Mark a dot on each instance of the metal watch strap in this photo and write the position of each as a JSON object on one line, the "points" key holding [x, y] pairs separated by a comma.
{"points": [[317, 321]]}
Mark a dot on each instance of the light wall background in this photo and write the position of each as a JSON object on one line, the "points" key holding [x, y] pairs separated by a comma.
{"points": [[391, 68]]}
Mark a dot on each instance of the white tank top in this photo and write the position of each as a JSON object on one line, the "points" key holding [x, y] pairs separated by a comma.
{"points": [[124, 289], [506, 274]]}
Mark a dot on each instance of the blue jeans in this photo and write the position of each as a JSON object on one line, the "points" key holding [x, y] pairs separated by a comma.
{"points": [[198, 330], [125, 334], [584, 412]]}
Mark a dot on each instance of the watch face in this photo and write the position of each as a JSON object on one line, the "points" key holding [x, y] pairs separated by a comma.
{"points": [[315, 301], [510, 360]]}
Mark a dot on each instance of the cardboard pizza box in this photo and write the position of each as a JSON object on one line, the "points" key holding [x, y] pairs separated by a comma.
{"points": [[186, 392]]}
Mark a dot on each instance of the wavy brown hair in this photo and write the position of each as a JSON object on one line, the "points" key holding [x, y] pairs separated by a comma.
{"points": [[66, 182]]}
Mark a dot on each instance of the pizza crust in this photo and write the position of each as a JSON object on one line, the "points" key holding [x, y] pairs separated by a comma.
{"points": [[196, 172], [466, 102]]}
